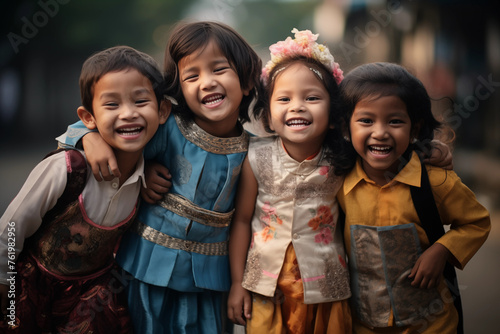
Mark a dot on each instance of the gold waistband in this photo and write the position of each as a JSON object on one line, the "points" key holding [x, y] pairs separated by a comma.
{"points": [[162, 239], [185, 208]]}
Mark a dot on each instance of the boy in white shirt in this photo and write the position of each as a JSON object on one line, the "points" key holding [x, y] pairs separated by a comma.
{"points": [[58, 236]]}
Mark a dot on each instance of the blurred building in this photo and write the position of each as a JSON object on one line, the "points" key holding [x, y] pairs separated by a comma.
{"points": [[452, 46]]}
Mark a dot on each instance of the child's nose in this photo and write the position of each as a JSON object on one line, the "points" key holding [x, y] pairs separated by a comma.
{"points": [[297, 106], [208, 81], [379, 132], [129, 111]]}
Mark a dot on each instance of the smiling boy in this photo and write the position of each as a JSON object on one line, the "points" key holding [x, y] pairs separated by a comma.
{"points": [[67, 228]]}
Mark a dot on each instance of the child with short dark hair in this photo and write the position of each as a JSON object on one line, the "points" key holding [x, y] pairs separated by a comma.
{"points": [[396, 269], [63, 227]]}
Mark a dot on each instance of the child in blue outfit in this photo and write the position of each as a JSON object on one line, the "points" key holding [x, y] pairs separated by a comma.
{"points": [[177, 252]]}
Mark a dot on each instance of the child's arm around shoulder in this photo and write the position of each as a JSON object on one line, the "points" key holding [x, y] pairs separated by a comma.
{"points": [[239, 301], [98, 153]]}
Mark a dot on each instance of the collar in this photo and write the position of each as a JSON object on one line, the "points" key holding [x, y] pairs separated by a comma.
{"points": [[305, 167], [410, 175], [196, 135], [138, 175]]}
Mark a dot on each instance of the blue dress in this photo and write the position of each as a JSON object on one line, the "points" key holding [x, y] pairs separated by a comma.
{"points": [[176, 255]]}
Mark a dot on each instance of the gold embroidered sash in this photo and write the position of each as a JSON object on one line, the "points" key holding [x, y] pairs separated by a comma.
{"points": [[185, 208], [162, 239]]}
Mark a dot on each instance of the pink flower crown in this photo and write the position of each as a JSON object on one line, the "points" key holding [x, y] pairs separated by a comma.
{"points": [[303, 44]]}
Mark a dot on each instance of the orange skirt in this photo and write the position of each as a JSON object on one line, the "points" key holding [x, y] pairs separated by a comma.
{"points": [[287, 313]]}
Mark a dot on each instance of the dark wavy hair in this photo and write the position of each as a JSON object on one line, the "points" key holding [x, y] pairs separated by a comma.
{"points": [[262, 110], [116, 59], [375, 80], [189, 37]]}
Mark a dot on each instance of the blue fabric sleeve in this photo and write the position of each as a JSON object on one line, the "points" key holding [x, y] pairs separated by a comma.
{"points": [[157, 147], [73, 134]]}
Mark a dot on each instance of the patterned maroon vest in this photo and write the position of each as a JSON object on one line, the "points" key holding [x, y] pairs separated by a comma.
{"points": [[68, 243]]}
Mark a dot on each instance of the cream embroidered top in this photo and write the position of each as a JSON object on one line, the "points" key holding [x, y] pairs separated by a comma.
{"points": [[296, 203]]}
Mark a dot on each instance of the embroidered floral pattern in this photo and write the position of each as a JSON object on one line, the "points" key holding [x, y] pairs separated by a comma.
{"points": [[324, 170], [323, 222], [324, 236], [269, 218]]}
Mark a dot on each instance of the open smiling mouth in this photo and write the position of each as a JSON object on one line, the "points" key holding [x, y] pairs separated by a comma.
{"points": [[297, 122], [130, 131], [380, 149], [212, 99]]}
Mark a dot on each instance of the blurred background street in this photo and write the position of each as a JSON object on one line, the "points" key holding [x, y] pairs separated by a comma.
{"points": [[452, 46]]}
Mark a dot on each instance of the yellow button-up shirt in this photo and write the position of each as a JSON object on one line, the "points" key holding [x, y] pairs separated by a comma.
{"points": [[367, 203]]}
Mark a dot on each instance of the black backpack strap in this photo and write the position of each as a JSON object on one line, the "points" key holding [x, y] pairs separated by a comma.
{"points": [[427, 211]]}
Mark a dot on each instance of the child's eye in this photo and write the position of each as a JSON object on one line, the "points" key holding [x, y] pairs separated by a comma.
{"points": [[396, 121], [365, 120], [143, 101], [312, 98], [190, 77], [111, 104], [283, 99], [220, 69]]}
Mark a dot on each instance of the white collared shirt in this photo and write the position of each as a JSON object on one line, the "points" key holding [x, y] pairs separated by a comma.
{"points": [[105, 202]]}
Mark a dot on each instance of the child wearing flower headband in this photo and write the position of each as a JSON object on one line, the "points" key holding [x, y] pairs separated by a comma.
{"points": [[285, 224], [286, 249]]}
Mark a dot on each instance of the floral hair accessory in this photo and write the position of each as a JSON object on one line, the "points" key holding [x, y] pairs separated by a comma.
{"points": [[303, 44]]}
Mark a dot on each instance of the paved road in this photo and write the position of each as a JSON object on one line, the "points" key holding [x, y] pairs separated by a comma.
{"points": [[479, 280]]}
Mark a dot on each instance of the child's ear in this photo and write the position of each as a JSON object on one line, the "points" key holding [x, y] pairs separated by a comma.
{"points": [[415, 131], [165, 109], [246, 91], [87, 118], [346, 133]]}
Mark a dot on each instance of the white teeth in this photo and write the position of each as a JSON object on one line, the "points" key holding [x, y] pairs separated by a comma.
{"points": [[297, 122], [130, 131], [213, 99], [380, 149]]}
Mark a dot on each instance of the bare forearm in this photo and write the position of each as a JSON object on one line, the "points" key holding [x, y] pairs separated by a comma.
{"points": [[239, 241]]}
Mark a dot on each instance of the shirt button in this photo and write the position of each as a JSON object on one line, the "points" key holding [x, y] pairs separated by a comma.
{"points": [[296, 236], [114, 185]]}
